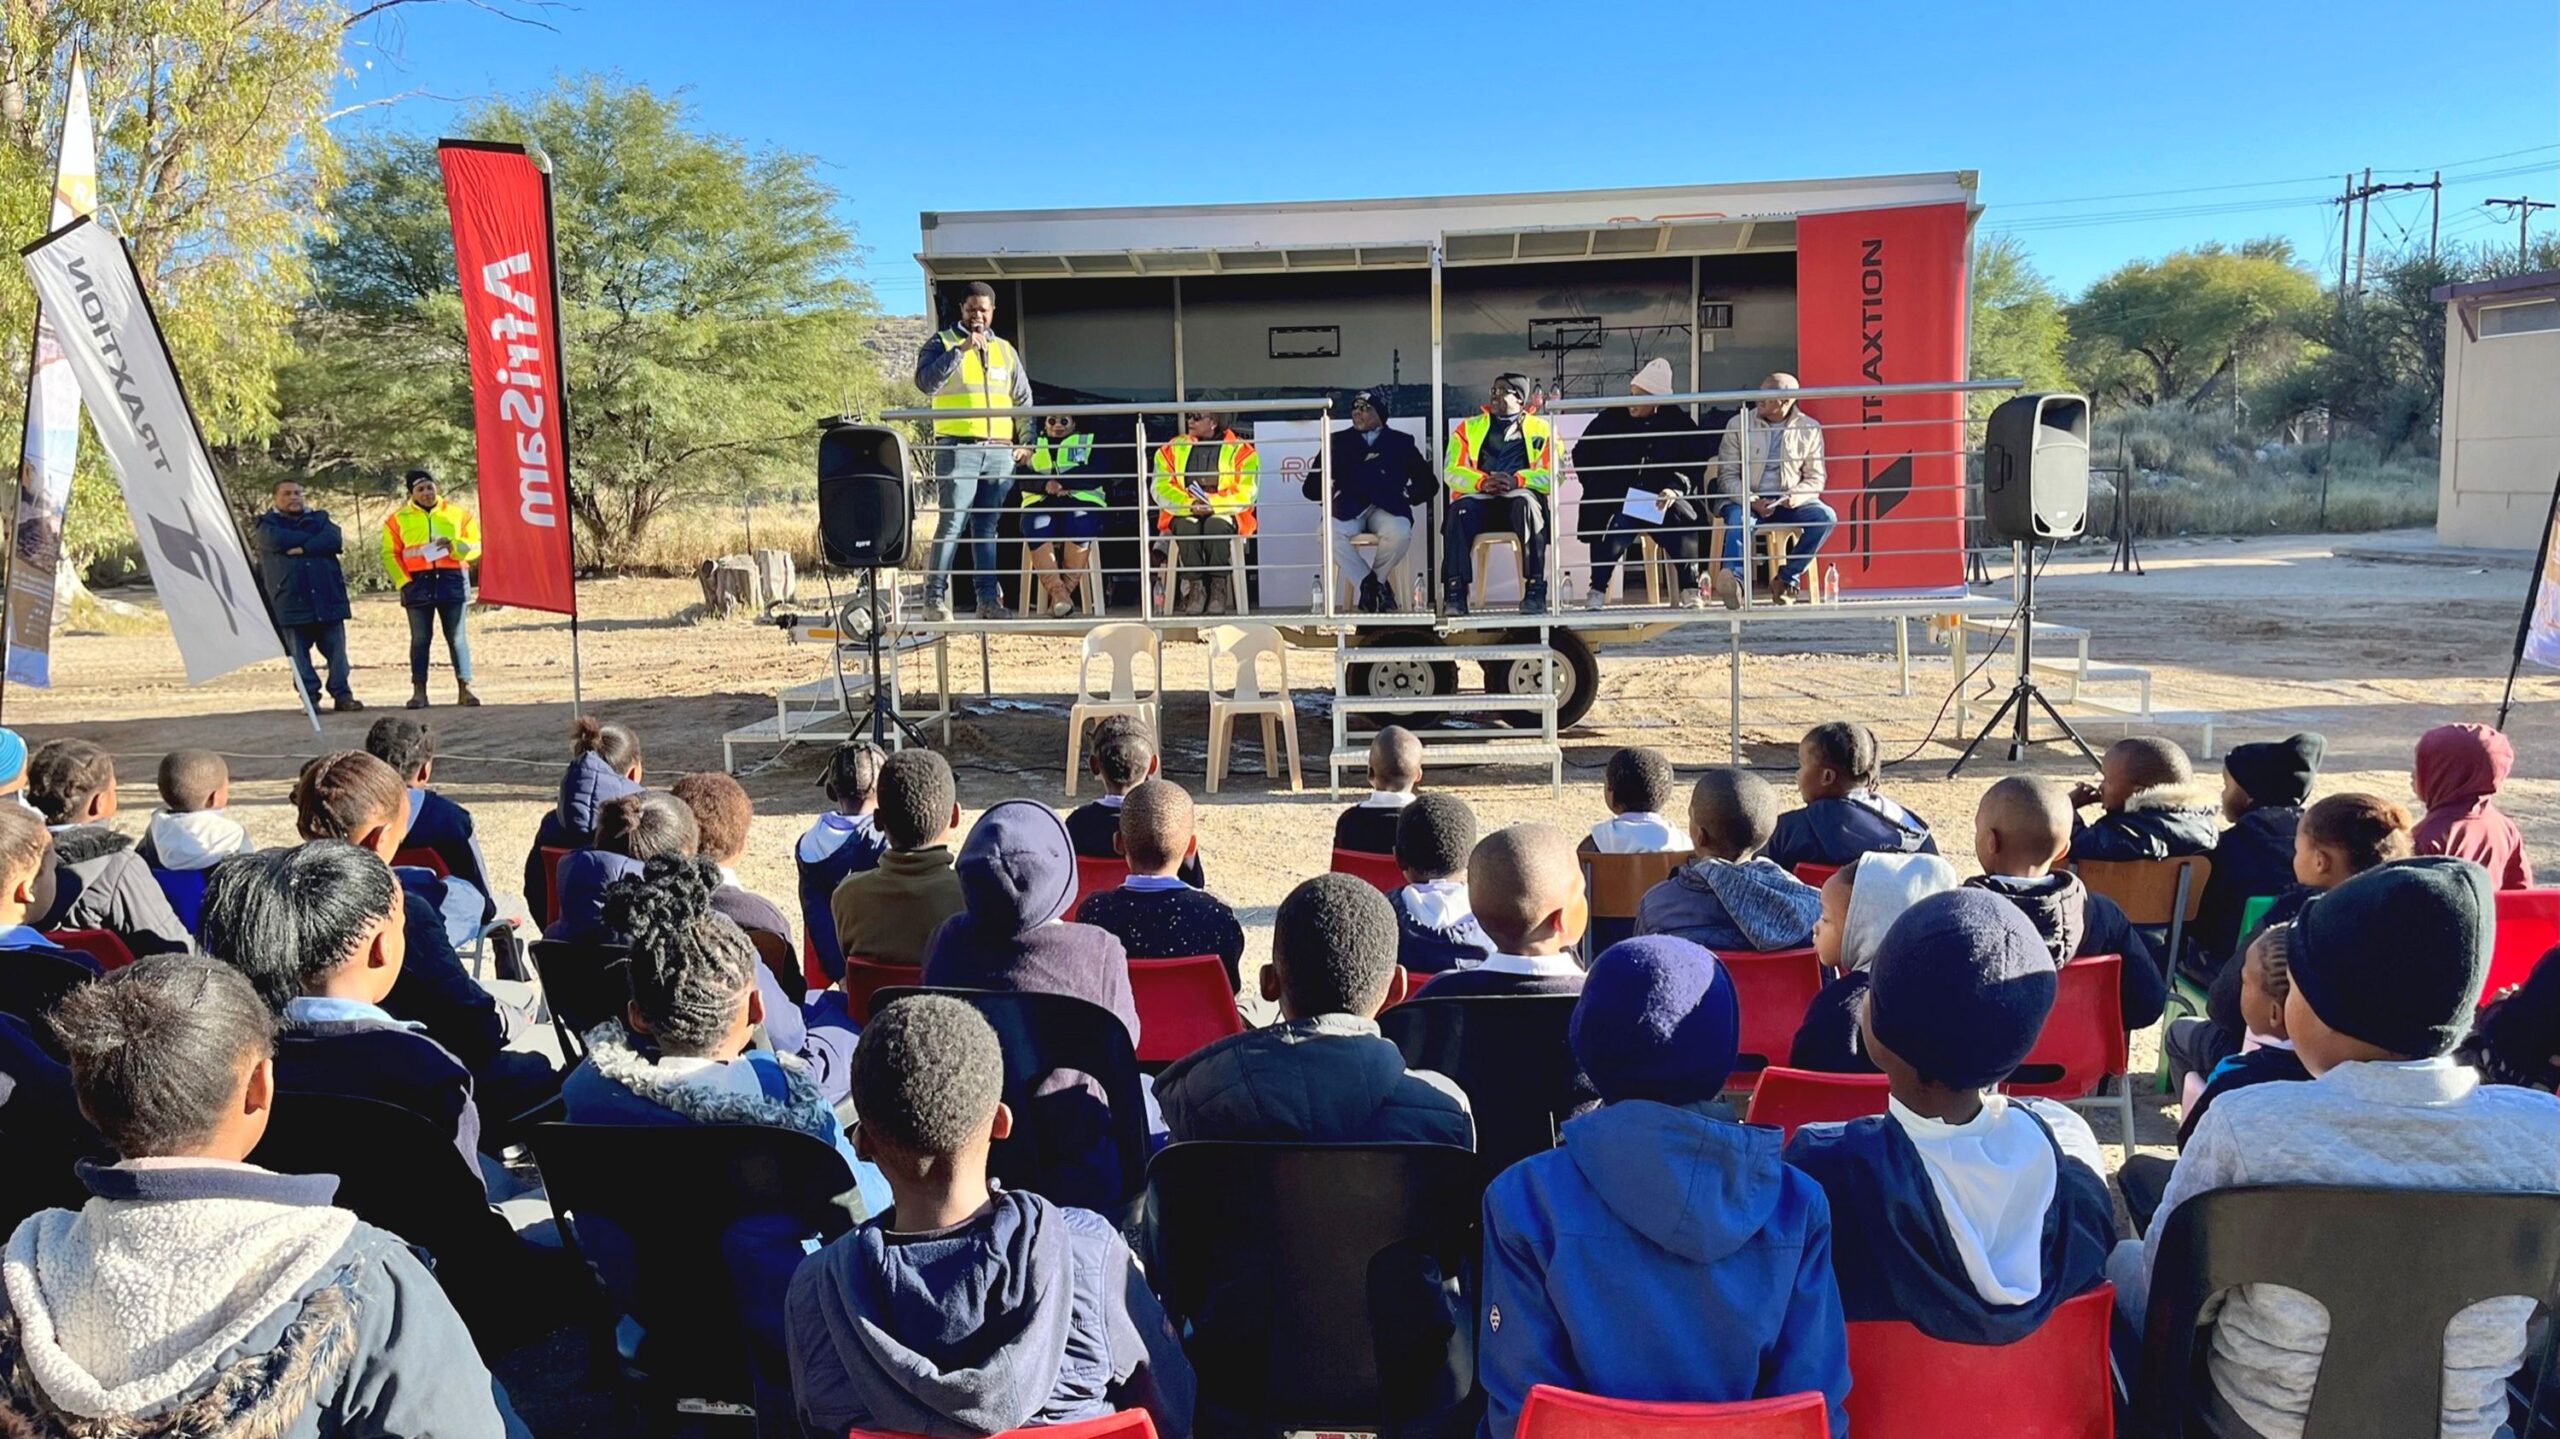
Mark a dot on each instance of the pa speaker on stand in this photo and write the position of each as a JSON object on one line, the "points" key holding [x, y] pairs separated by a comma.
{"points": [[866, 523], [2035, 488]]}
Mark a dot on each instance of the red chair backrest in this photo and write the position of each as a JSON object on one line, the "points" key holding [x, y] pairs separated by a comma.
{"points": [[810, 972], [1551, 1413], [552, 855], [1816, 875], [1093, 876], [2050, 1385], [1789, 1098], [2084, 1035], [422, 858], [1183, 1005], [1129, 1424], [1379, 869], [1774, 988], [2528, 929], [866, 977], [103, 945]]}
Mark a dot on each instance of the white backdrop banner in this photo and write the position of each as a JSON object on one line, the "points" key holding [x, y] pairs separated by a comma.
{"points": [[52, 443], [112, 343]]}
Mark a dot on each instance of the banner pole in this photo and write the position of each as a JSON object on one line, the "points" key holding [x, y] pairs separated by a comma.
{"points": [[560, 377], [2532, 592]]}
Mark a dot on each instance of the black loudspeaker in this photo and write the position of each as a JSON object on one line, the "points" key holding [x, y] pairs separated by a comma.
{"points": [[2035, 468], [865, 517]]}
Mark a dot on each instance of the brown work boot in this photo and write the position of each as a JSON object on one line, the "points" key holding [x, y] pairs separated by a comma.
{"points": [[418, 695], [1221, 596], [463, 695], [1194, 598]]}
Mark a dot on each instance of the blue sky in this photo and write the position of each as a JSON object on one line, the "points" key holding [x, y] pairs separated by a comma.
{"points": [[2099, 138]]}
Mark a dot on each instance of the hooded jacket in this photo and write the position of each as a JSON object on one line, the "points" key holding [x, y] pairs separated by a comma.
{"points": [[434, 989], [1028, 1314], [377, 1057], [206, 1299], [1746, 905], [2075, 922], [1329, 1079], [1827, 1038], [1436, 931], [1836, 831], [1017, 874], [1658, 1255], [586, 788], [2254, 857], [2162, 822], [100, 883], [197, 839], [2459, 770], [836, 846], [583, 877]]}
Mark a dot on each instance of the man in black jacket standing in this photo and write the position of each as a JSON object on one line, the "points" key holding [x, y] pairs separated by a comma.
{"points": [[1379, 475], [298, 561], [1639, 466]]}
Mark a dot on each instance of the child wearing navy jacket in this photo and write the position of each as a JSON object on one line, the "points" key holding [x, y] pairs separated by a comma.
{"points": [[1844, 814], [1436, 927], [1664, 1252], [1524, 886], [844, 840], [604, 765], [1395, 770], [435, 822], [2264, 787], [1961, 1211]]}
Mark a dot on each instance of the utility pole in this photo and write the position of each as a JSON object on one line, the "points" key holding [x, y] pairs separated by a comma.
{"points": [[2346, 206], [2435, 211], [2523, 206], [2359, 200], [2364, 220]]}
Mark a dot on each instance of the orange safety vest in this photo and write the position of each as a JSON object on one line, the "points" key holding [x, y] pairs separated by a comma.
{"points": [[406, 530], [1239, 481]]}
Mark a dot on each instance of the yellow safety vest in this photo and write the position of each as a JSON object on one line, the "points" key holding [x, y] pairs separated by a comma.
{"points": [[984, 381], [1074, 455], [406, 530], [1239, 481], [1466, 446]]}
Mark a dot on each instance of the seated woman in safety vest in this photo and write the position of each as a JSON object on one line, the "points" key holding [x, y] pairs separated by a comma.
{"points": [[1061, 493], [1206, 481]]}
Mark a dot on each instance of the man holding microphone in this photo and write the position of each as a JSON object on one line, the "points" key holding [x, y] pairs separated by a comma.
{"points": [[971, 368]]}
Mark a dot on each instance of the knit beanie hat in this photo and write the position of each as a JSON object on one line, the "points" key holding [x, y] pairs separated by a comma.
{"points": [[1657, 1020], [1375, 399], [1960, 988], [2277, 772], [2396, 955], [13, 757], [1653, 379]]}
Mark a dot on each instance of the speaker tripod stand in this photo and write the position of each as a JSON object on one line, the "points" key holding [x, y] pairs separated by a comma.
{"points": [[862, 612], [2025, 690]]}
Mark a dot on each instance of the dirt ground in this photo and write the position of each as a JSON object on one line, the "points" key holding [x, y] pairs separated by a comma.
{"points": [[2271, 635]]}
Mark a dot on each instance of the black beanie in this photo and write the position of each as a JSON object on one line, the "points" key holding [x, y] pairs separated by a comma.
{"points": [[2395, 956], [1377, 400], [2277, 772], [1960, 988]]}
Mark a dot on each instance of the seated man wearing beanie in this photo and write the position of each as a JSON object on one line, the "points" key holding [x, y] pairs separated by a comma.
{"points": [[1664, 1252], [2385, 969], [1323, 1074], [2264, 787], [1960, 1210]]}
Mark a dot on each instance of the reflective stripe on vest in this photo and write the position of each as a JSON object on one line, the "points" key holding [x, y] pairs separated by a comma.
{"points": [[1074, 455], [984, 381]]}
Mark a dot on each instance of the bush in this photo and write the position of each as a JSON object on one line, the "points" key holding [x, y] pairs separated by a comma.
{"points": [[2193, 475]]}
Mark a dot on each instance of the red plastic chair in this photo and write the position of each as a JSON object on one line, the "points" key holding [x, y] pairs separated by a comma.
{"points": [[1817, 874], [2052, 1384], [2084, 1040], [1379, 869], [810, 973], [1093, 876], [1791, 1098], [552, 855], [2528, 928], [103, 945], [1551, 1413], [1183, 1005], [866, 977], [1128, 1424], [422, 858], [1774, 989]]}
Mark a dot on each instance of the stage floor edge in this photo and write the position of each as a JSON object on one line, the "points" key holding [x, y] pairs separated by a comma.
{"points": [[1650, 620]]}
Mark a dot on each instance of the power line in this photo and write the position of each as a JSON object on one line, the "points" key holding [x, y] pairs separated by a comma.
{"points": [[2522, 208]]}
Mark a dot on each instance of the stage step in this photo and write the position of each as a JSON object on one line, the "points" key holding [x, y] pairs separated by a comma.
{"points": [[1431, 654], [1476, 702], [1436, 749]]}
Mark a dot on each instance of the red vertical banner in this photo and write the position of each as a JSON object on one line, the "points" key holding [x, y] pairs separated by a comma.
{"points": [[503, 256], [1880, 300]]}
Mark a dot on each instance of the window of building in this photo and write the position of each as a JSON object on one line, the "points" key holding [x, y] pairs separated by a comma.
{"points": [[2519, 319]]}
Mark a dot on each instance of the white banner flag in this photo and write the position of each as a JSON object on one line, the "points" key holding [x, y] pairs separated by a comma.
{"points": [[52, 442], [113, 345]]}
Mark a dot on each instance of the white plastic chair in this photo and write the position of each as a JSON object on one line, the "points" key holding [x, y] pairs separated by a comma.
{"points": [[1086, 582], [1173, 572], [1245, 697], [1121, 644]]}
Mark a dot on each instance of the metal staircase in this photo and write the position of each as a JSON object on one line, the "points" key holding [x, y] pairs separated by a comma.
{"points": [[1430, 711]]}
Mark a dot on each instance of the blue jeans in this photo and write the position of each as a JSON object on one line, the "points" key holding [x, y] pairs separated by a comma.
{"points": [[332, 640], [422, 622], [976, 479], [1813, 520]]}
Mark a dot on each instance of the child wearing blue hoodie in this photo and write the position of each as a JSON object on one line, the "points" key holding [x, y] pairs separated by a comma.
{"points": [[1845, 815], [1961, 1211], [844, 840], [1730, 897], [1664, 1253], [604, 765], [967, 1309]]}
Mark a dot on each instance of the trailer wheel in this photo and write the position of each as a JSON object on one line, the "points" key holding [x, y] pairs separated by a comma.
{"points": [[1577, 678], [1401, 679]]}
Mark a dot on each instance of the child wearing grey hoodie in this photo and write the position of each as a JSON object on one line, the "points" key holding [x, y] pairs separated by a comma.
{"points": [[1727, 897]]}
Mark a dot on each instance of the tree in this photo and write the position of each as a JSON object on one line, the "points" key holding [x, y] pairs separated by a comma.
{"points": [[2018, 328], [708, 318], [2178, 329]]}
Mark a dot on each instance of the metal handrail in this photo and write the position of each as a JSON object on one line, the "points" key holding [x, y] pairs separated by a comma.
{"points": [[1816, 392], [1168, 407]]}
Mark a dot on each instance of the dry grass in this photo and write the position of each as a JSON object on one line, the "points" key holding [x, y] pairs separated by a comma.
{"points": [[2192, 475]]}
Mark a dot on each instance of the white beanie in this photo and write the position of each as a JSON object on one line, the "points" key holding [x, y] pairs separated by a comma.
{"points": [[1653, 379], [1885, 886]]}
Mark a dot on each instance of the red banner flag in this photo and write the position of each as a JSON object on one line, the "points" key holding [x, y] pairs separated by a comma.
{"points": [[503, 256], [1880, 299]]}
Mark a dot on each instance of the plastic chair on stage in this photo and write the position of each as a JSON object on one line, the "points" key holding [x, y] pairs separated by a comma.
{"points": [[1093, 876], [1789, 1099], [1552, 1413], [1086, 582], [1481, 557], [2052, 1384], [1774, 542], [1235, 572], [1183, 1005], [1248, 645], [2081, 1052], [864, 978], [185, 891], [1127, 1424], [1615, 884], [1661, 580], [1379, 869], [2528, 928], [1399, 579], [1775, 988], [103, 945], [1121, 645]]}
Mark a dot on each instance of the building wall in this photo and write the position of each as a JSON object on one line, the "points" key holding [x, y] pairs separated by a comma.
{"points": [[2501, 447]]}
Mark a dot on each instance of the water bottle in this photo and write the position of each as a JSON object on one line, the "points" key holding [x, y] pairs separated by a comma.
{"points": [[1831, 584], [1315, 592]]}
